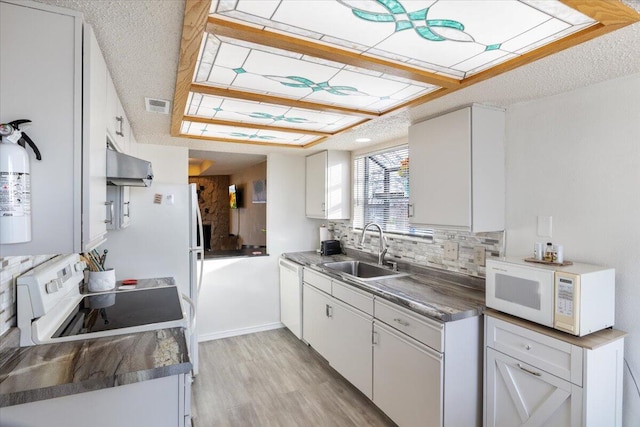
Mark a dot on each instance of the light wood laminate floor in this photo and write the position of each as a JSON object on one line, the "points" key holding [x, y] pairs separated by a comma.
{"points": [[273, 379]]}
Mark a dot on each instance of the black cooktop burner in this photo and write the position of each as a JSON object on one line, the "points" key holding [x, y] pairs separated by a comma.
{"points": [[122, 309]]}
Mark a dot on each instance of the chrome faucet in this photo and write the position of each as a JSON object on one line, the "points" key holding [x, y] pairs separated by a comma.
{"points": [[382, 249]]}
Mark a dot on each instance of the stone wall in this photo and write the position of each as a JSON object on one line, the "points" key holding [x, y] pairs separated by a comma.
{"points": [[213, 198]]}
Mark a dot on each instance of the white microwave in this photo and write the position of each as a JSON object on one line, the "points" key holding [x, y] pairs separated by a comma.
{"points": [[578, 299]]}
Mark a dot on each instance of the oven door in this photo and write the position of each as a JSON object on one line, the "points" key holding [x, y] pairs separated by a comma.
{"points": [[525, 292]]}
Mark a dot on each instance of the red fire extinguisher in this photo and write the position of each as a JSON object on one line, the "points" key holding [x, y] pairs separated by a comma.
{"points": [[15, 184]]}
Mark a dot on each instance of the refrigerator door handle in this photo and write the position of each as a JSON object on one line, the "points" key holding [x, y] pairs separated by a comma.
{"points": [[192, 322], [200, 248]]}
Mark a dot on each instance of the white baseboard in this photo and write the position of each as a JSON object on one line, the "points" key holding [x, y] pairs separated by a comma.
{"points": [[241, 331]]}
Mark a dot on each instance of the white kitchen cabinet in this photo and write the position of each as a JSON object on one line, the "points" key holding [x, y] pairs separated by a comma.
{"points": [[316, 321], [119, 204], [328, 185], [536, 376], [457, 173], [341, 334], [95, 208], [42, 81], [165, 403], [408, 378], [118, 128], [425, 372]]}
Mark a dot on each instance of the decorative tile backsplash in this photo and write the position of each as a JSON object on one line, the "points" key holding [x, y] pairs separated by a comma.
{"points": [[427, 251], [10, 268]]}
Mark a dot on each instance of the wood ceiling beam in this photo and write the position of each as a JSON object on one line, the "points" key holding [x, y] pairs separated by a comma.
{"points": [[605, 12], [195, 19], [197, 119], [239, 141], [279, 100], [266, 37]]}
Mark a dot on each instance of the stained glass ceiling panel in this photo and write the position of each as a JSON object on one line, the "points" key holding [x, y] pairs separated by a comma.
{"points": [[240, 134], [455, 38], [265, 114], [249, 67]]}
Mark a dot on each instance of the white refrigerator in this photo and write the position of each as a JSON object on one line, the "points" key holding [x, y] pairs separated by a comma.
{"points": [[162, 241]]}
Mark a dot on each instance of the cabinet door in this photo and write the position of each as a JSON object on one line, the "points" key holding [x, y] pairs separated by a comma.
{"points": [[407, 379], [111, 110], [94, 153], [316, 320], [316, 185], [518, 394], [352, 352], [440, 175], [41, 80]]}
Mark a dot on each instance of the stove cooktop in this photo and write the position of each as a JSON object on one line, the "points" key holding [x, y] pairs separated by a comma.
{"points": [[120, 310]]}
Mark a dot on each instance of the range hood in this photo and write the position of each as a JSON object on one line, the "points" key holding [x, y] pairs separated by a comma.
{"points": [[127, 170]]}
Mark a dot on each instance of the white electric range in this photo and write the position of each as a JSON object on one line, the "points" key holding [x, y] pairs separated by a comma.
{"points": [[52, 309]]}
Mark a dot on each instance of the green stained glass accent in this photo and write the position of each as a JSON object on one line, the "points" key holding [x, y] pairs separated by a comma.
{"points": [[278, 118], [384, 98], [493, 47], [416, 20], [302, 82], [254, 136], [217, 109], [239, 70]]}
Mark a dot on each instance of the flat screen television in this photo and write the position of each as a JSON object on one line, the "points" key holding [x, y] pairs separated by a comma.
{"points": [[235, 197]]}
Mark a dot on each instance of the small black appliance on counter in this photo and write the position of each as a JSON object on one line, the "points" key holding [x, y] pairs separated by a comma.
{"points": [[330, 247]]}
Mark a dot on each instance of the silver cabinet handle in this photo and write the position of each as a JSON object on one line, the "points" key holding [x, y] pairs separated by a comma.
{"points": [[410, 210], [402, 322], [110, 219], [374, 338], [120, 120], [128, 205], [328, 310], [537, 374], [324, 207]]}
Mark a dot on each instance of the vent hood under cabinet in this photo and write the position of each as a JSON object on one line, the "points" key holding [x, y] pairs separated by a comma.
{"points": [[125, 170]]}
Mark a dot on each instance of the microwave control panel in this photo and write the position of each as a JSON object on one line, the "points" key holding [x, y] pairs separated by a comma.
{"points": [[567, 292]]}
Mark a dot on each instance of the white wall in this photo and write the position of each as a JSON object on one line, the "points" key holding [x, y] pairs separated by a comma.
{"points": [[241, 295], [156, 242], [576, 156]]}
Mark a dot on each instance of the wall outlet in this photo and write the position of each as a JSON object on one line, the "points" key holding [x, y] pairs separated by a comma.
{"points": [[479, 255], [451, 251]]}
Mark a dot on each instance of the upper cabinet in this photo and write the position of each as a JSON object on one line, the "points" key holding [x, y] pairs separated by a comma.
{"points": [[328, 185], [457, 170], [42, 82], [94, 154], [67, 105], [118, 128]]}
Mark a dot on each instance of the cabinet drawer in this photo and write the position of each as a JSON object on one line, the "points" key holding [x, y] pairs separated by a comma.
{"points": [[427, 331], [552, 355], [359, 299], [317, 280]]}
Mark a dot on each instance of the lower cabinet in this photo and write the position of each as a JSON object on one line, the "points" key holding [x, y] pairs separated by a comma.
{"points": [[408, 378], [341, 334], [518, 393], [535, 376], [417, 370]]}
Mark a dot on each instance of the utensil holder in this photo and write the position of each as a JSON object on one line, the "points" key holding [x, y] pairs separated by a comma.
{"points": [[100, 281]]}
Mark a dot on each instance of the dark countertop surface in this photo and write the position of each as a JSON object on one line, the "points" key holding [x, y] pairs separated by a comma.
{"points": [[441, 295], [29, 374]]}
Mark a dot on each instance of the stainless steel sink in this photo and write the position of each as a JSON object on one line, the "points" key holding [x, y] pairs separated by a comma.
{"points": [[361, 270]]}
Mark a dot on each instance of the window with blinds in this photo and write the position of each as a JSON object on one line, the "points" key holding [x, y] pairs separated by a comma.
{"points": [[381, 191]]}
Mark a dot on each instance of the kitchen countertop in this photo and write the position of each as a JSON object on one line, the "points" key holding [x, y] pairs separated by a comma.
{"points": [[29, 374], [441, 295]]}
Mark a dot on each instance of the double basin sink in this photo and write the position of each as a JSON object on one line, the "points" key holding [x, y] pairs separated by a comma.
{"points": [[361, 270]]}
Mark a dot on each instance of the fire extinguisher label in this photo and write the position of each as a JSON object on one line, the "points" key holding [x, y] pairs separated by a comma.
{"points": [[15, 194]]}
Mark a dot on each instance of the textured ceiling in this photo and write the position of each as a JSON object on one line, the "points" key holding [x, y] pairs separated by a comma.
{"points": [[140, 40]]}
